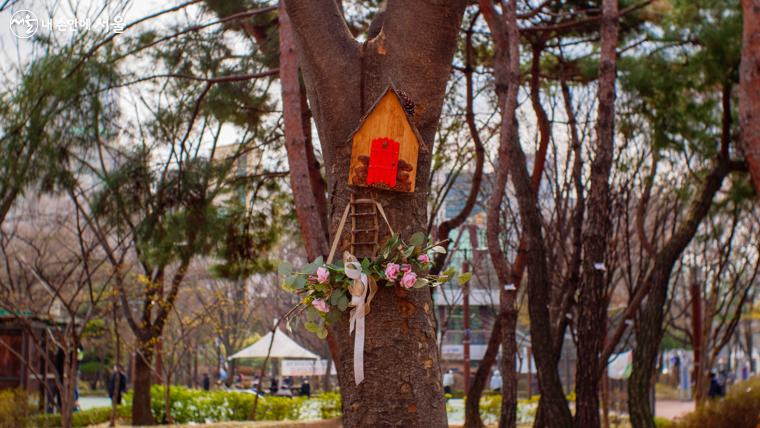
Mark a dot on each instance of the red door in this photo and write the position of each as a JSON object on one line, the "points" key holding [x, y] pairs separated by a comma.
{"points": [[383, 162]]}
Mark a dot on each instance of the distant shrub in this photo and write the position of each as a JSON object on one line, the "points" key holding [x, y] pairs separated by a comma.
{"points": [[79, 419], [739, 409], [329, 405], [198, 406], [15, 408]]}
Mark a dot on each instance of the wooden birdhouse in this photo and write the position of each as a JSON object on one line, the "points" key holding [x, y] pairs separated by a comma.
{"points": [[384, 148]]}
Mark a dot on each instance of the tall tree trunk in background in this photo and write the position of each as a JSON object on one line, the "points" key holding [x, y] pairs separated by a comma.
{"points": [[505, 274], [480, 155], [749, 88], [402, 385], [305, 177], [592, 301], [141, 413], [504, 30], [298, 146], [652, 314], [507, 74]]}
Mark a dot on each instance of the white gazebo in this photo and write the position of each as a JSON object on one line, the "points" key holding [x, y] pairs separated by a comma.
{"points": [[283, 347]]}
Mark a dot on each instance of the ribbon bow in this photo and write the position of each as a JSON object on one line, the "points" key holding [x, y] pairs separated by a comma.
{"points": [[362, 291]]}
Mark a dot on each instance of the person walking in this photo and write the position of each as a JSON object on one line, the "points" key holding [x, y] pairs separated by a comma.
{"points": [[116, 391], [206, 382], [714, 391], [448, 381], [496, 381], [305, 388]]}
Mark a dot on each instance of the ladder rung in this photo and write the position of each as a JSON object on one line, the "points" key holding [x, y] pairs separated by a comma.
{"points": [[361, 214], [365, 230], [363, 202]]}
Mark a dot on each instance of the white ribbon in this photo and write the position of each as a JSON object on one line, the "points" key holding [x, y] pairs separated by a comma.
{"points": [[362, 285]]}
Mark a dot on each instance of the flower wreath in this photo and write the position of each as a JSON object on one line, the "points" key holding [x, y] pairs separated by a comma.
{"points": [[327, 289]]}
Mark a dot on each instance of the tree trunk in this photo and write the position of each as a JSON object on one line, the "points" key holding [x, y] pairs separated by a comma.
{"points": [[402, 385], [506, 66], [508, 360], [648, 339], [141, 409], [68, 381], [649, 333], [592, 301], [309, 211], [749, 88], [472, 417], [168, 419]]}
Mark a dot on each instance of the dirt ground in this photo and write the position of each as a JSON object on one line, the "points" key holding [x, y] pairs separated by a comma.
{"points": [[328, 423]]}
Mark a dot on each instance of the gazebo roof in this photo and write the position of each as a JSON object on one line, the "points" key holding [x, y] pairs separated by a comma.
{"points": [[283, 347]]}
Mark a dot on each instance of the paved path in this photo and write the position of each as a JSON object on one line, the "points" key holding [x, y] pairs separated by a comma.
{"points": [[671, 409], [92, 402]]}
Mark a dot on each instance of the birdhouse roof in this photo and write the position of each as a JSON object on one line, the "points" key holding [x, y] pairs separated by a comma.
{"points": [[391, 88]]}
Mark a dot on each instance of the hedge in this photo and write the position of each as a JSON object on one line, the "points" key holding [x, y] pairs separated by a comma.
{"points": [[198, 406], [739, 409]]}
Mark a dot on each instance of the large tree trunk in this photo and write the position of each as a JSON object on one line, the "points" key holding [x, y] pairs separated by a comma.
{"points": [[506, 67], [650, 329], [509, 360], [749, 88], [648, 339], [308, 193], [141, 413], [592, 307], [402, 385], [472, 417]]}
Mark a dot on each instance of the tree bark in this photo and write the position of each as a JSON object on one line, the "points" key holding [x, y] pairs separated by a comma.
{"points": [[592, 307], [480, 155], [507, 74], [306, 195], [141, 413], [749, 88], [650, 330], [402, 385], [506, 68]]}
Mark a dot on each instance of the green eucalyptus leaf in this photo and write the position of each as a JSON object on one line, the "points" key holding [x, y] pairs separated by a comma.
{"points": [[299, 282], [311, 326], [287, 283], [421, 283], [335, 296], [322, 332], [284, 268], [342, 302], [332, 316], [408, 252], [418, 239], [311, 268]]}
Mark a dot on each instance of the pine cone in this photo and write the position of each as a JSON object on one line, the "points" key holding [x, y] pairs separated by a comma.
{"points": [[406, 102]]}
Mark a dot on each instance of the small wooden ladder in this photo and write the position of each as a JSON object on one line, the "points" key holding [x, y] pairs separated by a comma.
{"points": [[365, 228]]}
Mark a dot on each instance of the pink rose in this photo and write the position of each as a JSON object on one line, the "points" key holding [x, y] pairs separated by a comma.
{"points": [[391, 271], [423, 258], [406, 268], [321, 305], [323, 275], [409, 279]]}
